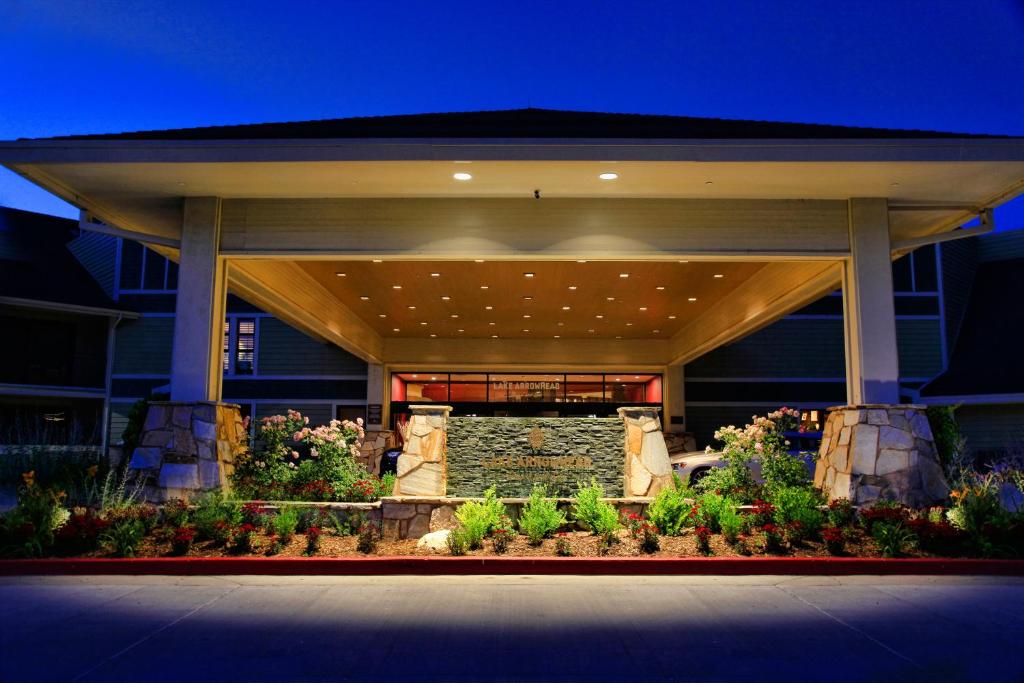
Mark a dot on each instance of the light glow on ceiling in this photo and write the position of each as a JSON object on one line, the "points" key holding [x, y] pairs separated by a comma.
{"points": [[462, 176]]}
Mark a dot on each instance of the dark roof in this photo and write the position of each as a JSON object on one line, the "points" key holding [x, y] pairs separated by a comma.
{"points": [[35, 262], [987, 358], [525, 123]]}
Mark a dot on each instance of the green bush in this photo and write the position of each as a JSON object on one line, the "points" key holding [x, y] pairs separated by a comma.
{"points": [[366, 541], [479, 518], [597, 515], [949, 442], [731, 522], [782, 470], [215, 516], [123, 539], [670, 510], [540, 516], [285, 522], [797, 511], [710, 507], [457, 542], [893, 538]]}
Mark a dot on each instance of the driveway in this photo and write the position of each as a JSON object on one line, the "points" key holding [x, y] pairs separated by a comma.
{"points": [[511, 628]]}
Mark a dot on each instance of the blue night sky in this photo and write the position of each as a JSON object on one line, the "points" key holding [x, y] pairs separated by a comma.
{"points": [[72, 66]]}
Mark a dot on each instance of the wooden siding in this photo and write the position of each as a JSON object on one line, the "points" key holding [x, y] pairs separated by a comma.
{"points": [[787, 348], [98, 254], [992, 427], [318, 413], [283, 350], [920, 347], [1001, 246], [959, 263], [143, 346]]}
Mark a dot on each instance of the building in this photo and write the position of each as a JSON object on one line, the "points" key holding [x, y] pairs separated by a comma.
{"points": [[508, 247], [58, 327]]}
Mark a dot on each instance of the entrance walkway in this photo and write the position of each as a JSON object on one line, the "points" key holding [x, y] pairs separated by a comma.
{"points": [[511, 628]]}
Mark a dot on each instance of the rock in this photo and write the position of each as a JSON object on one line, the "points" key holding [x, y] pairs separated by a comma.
{"points": [[852, 417], [412, 446], [650, 426], [878, 417], [204, 430], [425, 480], [841, 459], [418, 526], [865, 449], [179, 476], [840, 486], [420, 429], [407, 463], [655, 455], [182, 416], [209, 474], [432, 446], [443, 518], [435, 541], [146, 459], [844, 435], [156, 418], [393, 510], [920, 427], [639, 477], [891, 461], [159, 437], [891, 437]]}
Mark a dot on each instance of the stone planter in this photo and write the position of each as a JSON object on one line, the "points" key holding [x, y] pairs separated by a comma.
{"points": [[880, 452]]}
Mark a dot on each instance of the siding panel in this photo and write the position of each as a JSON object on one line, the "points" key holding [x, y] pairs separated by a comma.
{"points": [[788, 348], [992, 427], [143, 346], [318, 414], [283, 350], [919, 347]]}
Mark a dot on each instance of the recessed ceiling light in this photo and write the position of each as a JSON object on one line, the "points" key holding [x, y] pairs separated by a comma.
{"points": [[446, 298], [461, 330], [527, 274], [527, 315], [382, 315], [478, 260], [423, 322], [708, 182], [671, 317], [527, 298], [525, 330], [636, 376], [494, 336], [415, 376], [684, 261], [411, 308], [618, 336], [572, 287], [492, 323], [342, 274], [629, 324], [558, 336], [462, 176], [692, 298], [657, 331], [455, 315], [378, 260], [719, 276], [435, 275], [561, 324], [581, 260], [608, 176], [488, 308], [589, 330], [643, 308], [660, 287], [598, 316], [395, 329], [365, 298], [618, 379], [566, 308], [623, 274], [610, 298], [396, 286], [433, 335], [484, 287], [433, 379]]}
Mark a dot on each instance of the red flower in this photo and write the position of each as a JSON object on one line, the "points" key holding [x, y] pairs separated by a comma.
{"points": [[183, 536], [831, 534]]}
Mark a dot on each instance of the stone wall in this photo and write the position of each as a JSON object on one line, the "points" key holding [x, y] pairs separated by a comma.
{"points": [[880, 452], [421, 466], [187, 448], [372, 448], [647, 466], [514, 453]]}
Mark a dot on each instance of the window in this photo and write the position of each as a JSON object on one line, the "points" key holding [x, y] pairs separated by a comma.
{"points": [[144, 270], [240, 346], [916, 272]]}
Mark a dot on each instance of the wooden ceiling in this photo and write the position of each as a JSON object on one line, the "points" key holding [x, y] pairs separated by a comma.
{"points": [[406, 299]]}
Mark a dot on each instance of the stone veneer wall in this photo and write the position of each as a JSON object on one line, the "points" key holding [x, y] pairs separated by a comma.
{"points": [[880, 452], [187, 448], [372, 448], [421, 466], [474, 441], [647, 468]]}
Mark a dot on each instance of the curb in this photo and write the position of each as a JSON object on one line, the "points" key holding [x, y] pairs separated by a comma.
{"points": [[587, 566]]}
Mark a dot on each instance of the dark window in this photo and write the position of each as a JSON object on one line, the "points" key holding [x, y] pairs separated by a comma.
{"points": [[156, 271], [172, 275], [131, 265], [902, 280], [245, 346], [926, 278]]}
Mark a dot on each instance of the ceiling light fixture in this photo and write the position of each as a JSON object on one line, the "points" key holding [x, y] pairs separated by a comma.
{"points": [[396, 286], [395, 329], [494, 336], [671, 317], [382, 315], [623, 274], [589, 330], [411, 308], [478, 260], [378, 260], [598, 316], [446, 298], [660, 287], [608, 176], [528, 274], [566, 308], [423, 323], [527, 315], [433, 335], [364, 298], [462, 176], [489, 308], [461, 330], [572, 287], [455, 315], [435, 275], [692, 298], [527, 298], [581, 261], [484, 287], [342, 274], [657, 331], [558, 336], [643, 308]]}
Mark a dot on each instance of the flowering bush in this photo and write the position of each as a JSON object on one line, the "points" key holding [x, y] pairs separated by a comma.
{"points": [[835, 539], [772, 537], [81, 533], [840, 512], [242, 538], [703, 536], [648, 535], [313, 535], [763, 439], [562, 547], [326, 469], [175, 512]]}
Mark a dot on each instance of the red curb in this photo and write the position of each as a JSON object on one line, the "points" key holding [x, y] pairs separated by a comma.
{"points": [[389, 566]]}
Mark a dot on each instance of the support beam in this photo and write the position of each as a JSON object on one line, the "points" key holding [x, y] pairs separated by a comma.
{"points": [[673, 393], [376, 394], [869, 316], [197, 351]]}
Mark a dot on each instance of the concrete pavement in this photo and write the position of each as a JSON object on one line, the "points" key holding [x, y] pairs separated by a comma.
{"points": [[511, 628]]}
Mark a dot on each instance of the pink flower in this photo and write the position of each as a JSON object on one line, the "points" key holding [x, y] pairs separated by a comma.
{"points": [[359, 421], [295, 455]]}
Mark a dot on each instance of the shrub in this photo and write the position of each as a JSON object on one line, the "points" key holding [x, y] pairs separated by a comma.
{"points": [[81, 533], [597, 515], [649, 541], [540, 516], [978, 512], [772, 537], [840, 512], [501, 539], [366, 541], [562, 547], [937, 536], [949, 442], [175, 512], [892, 538], [215, 515], [883, 512], [313, 534], [835, 539], [242, 538], [703, 536], [457, 542], [28, 529], [123, 539], [670, 510], [181, 541], [764, 512], [796, 509], [478, 518], [285, 522], [731, 522], [710, 507]]}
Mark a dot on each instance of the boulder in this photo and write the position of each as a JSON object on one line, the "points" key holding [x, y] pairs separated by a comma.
{"points": [[435, 541]]}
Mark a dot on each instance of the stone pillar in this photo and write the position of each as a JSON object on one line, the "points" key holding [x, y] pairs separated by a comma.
{"points": [[873, 452], [373, 446], [422, 468], [647, 468], [187, 448]]}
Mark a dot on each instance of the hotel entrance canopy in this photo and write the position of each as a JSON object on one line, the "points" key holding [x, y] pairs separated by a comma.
{"points": [[359, 232]]}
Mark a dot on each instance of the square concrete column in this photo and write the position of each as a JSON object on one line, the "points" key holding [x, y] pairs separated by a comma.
{"points": [[869, 316], [198, 349]]}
